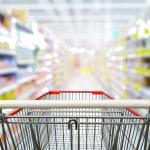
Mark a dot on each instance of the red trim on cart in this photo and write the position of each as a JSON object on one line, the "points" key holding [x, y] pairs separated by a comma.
{"points": [[110, 97], [11, 113], [97, 92], [133, 111], [54, 92], [61, 91], [38, 98]]}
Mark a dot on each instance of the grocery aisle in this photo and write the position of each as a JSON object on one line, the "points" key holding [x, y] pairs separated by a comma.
{"points": [[82, 81], [38, 53]]}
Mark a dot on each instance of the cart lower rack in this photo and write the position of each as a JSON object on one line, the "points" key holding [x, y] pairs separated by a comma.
{"points": [[84, 122]]}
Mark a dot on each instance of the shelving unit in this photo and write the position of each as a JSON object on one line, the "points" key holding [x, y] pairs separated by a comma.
{"points": [[26, 79], [25, 62], [35, 68], [123, 70], [130, 69], [7, 88], [7, 52], [26, 95], [11, 76], [8, 71]]}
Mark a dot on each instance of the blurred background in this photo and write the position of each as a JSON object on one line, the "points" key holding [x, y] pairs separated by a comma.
{"points": [[74, 45]]}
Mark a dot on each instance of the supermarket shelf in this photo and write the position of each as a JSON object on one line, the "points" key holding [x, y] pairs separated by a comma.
{"points": [[14, 86], [8, 88], [145, 92], [117, 92], [26, 79], [133, 56], [8, 71], [4, 31], [22, 27], [44, 80], [44, 70], [25, 62], [119, 85], [117, 58], [7, 52], [26, 95], [100, 81], [42, 89], [119, 67], [134, 74]]}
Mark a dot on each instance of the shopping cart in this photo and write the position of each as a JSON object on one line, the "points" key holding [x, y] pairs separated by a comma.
{"points": [[74, 120]]}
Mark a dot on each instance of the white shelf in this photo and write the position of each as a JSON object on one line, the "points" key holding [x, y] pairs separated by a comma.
{"points": [[14, 85], [26, 95], [7, 52], [8, 88], [26, 79], [4, 32], [41, 81], [8, 70], [44, 79], [25, 62], [145, 91], [41, 90], [133, 56]]}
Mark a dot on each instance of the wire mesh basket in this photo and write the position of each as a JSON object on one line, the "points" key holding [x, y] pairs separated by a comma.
{"points": [[89, 127]]}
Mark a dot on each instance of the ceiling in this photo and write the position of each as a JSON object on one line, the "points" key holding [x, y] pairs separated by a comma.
{"points": [[82, 23]]}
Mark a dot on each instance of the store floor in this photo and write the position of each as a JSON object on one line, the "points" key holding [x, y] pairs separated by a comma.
{"points": [[82, 81]]}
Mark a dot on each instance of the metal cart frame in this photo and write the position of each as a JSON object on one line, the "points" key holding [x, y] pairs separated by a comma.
{"points": [[75, 120]]}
